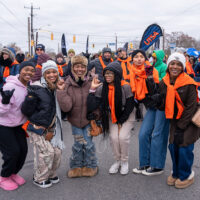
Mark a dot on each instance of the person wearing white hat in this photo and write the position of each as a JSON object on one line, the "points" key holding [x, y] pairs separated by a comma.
{"points": [[45, 127], [179, 100]]}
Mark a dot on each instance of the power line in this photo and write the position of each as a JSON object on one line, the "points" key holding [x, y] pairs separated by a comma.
{"points": [[10, 11], [8, 23]]}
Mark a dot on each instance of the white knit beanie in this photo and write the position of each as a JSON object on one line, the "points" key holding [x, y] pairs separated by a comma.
{"points": [[178, 57], [50, 64]]}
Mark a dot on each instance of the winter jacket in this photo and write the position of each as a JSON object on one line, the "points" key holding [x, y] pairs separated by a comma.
{"points": [[10, 114], [188, 96], [94, 101], [197, 69], [13, 68], [98, 67], [39, 105], [160, 65], [34, 59], [73, 100]]}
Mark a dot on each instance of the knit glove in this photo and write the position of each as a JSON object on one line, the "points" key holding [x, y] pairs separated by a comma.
{"points": [[6, 95], [178, 136], [87, 55]]}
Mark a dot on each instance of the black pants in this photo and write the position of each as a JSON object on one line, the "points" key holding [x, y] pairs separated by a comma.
{"points": [[13, 146]]}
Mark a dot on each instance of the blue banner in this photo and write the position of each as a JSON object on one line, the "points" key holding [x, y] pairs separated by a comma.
{"points": [[150, 36]]}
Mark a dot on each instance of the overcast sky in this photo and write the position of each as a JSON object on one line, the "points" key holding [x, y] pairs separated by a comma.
{"points": [[100, 19]]}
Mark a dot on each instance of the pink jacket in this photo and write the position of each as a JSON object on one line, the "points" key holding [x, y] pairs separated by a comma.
{"points": [[10, 114]]}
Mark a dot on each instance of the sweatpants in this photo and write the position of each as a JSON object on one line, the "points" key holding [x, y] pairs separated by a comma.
{"points": [[120, 141], [46, 158], [13, 146]]}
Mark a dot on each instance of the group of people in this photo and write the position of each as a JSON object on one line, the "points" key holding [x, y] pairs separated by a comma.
{"points": [[99, 94]]}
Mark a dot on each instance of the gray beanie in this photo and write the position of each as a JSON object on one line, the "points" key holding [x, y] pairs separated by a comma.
{"points": [[50, 64]]}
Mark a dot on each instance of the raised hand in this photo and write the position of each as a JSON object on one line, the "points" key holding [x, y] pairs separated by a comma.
{"points": [[61, 84], [95, 83], [6, 95]]}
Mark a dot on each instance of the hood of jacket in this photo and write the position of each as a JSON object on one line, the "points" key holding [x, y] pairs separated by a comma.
{"points": [[160, 54]]}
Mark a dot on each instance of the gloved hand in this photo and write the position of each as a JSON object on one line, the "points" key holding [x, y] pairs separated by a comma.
{"points": [[178, 136], [87, 55], [157, 99], [6, 95]]}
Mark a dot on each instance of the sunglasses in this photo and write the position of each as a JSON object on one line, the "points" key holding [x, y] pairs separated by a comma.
{"points": [[39, 49]]}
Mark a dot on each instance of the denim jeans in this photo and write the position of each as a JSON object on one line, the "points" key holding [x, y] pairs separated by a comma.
{"points": [[153, 139], [83, 149], [182, 160]]}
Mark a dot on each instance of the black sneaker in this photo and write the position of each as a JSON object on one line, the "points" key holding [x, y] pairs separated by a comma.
{"points": [[54, 180], [152, 171], [139, 170], [43, 184]]}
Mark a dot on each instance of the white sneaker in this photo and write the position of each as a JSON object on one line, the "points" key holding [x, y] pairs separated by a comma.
{"points": [[124, 168], [114, 167]]}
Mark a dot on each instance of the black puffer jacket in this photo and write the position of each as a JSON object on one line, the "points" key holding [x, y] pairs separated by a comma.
{"points": [[39, 106]]}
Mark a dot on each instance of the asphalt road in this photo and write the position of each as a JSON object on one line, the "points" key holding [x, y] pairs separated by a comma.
{"points": [[105, 186]]}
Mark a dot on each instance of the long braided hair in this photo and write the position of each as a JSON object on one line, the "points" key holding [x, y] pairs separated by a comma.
{"points": [[105, 105]]}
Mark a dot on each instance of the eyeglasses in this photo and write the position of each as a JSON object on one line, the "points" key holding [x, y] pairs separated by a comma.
{"points": [[109, 74], [39, 49]]}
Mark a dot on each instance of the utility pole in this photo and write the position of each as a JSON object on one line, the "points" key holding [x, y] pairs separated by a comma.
{"points": [[29, 42], [32, 34], [116, 42], [163, 39], [36, 39], [58, 47]]}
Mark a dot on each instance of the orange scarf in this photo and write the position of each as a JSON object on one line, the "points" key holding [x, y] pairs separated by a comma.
{"points": [[25, 126], [15, 62], [189, 69], [6, 72], [172, 94], [111, 101], [138, 81], [38, 66], [60, 69], [102, 63], [125, 75]]}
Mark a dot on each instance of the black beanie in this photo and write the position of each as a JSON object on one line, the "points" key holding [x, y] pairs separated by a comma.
{"points": [[40, 46], [139, 51], [25, 64], [114, 67]]}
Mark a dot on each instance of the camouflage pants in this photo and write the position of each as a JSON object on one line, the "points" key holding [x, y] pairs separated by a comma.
{"points": [[46, 158]]}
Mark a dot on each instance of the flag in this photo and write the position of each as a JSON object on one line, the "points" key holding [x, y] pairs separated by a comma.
{"points": [[150, 36], [63, 45]]}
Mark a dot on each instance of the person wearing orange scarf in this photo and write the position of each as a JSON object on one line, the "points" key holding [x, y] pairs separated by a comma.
{"points": [[97, 65], [116, 102], [7, 65], [180, 102], [153, 134], [62, 65], [125, 63]]}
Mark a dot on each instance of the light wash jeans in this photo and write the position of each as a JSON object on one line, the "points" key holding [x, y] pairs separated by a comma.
{"points": [[153, 139], [83, 149]]}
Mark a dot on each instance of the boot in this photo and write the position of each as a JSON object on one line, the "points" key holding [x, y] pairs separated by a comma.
{"points": [[89, 172], [185, 183], [74, 173], [171, 180]]}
